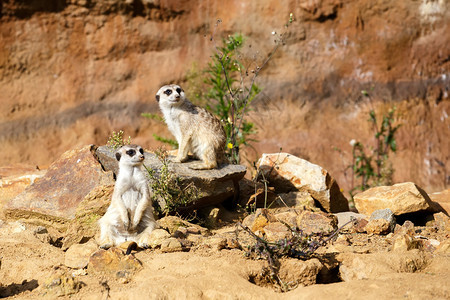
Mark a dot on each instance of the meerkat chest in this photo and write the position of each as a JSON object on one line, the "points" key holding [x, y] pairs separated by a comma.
{"points": [[175, 119]]}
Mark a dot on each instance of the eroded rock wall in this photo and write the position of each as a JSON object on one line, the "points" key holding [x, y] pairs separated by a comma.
{"points": [[71, 71]]}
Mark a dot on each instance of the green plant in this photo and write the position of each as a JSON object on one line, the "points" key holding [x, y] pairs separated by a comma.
{"points": [[115, 140], [230, 97], [171, 193], [375, 169]]}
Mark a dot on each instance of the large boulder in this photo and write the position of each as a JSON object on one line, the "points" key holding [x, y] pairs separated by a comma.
{"points": [[287, 173], [53, 199], [400, 198], [214, 185]]}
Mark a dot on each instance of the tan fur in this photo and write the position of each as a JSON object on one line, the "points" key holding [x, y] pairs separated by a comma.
{"points": [[195, 129], [130, 214]]}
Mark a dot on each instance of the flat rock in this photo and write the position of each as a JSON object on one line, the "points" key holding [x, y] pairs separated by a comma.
{"points": [[400, 198], [77, 256], [316, 222], [113, 261], [287, 173], [214, 185], [53, 199]]}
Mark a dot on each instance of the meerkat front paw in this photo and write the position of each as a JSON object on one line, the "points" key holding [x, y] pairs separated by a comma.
{"points": [[144, 241], [106, 244], [180, 159]]}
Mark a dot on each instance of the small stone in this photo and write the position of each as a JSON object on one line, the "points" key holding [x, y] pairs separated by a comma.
{"points": [[429, 244], [211, 215], [444, 247], [316, 222], [256, 221], [360, 226], [346, 216], [172, 223], [124, 246], [276, 231], [442, 221], [112, 261], [60, 285], [343, 240], [171, 245], [378, 226], [18, 227], [216, 242], [157, 237], [40, 230], [288, 217], [193, 230], [300, 272], [385, 214], [77, 256]]}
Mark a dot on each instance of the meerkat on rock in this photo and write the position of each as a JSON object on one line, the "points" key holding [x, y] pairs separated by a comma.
{"points": [[130, 214], [195, 129]]}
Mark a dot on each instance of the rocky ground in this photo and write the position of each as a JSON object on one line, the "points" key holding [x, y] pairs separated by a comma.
{"points": [[397, 247]]}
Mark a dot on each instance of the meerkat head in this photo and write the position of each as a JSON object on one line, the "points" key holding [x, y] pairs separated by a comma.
{"points": [[171, 94], [130, 155]]}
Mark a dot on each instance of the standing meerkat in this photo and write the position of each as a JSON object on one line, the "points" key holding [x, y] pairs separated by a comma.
{"points": [[195, 129], [130, 215]]}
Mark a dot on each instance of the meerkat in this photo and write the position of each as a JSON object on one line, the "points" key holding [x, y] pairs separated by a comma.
{"points": [[130, 214], [195, 129]]}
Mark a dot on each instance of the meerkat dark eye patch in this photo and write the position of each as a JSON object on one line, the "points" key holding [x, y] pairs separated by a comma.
{"points": [[118, 155], [131, 152], [168, 92], [141, 150], [179, 90]]}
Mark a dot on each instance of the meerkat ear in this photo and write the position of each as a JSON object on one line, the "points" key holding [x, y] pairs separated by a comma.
{"points": [[118, 155], [157, 98]]}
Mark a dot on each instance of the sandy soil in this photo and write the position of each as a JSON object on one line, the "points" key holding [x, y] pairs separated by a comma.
{"points": [[28, 260]]}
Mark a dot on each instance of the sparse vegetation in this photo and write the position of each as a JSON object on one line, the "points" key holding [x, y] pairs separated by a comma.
{"points": [[168, 189], [298, 245], [375, 169], [116, 140]]}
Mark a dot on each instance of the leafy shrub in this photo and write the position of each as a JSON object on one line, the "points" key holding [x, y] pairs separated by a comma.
{"points": [[168, 188]]}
